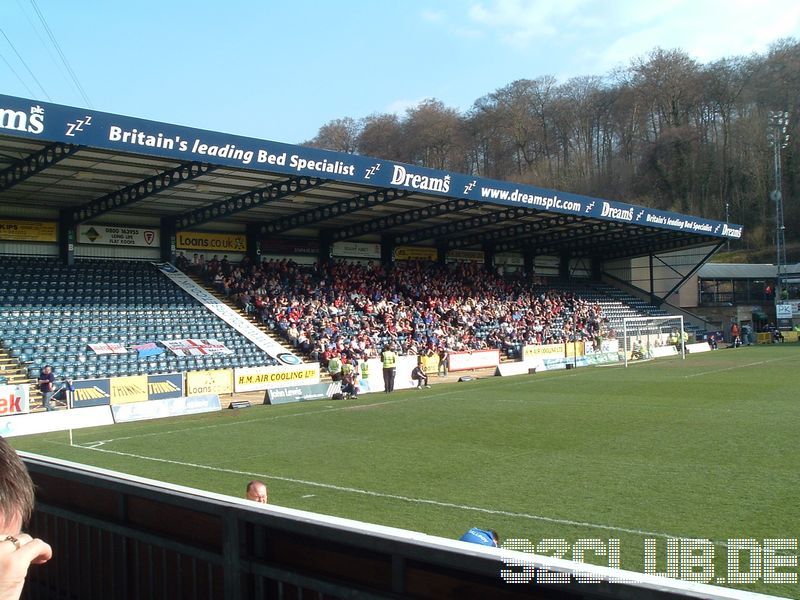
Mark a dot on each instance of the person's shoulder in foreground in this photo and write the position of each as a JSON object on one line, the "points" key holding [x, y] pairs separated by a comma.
{"points": [[18, 551]]}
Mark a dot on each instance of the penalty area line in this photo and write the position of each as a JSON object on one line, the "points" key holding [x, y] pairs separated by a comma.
{"points": [[426, 501]]}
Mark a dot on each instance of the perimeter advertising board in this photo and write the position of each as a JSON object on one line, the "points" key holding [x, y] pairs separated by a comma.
{"points": [[783, 315], [17, 230], [55, 420], [108, 235], [402, 253], [249, 379], [467, 256], [91, 392], [168, 407], [302, 393], [14, 400], [575, 348], [509, 259], [207, 241], [218, 381], [125, 390], [161, 387], [698, 347], [290, 246], [477, 359], [534, 351], [356, 250]]}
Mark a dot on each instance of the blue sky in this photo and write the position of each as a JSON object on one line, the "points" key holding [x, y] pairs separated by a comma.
{"points": [[279, 70]]}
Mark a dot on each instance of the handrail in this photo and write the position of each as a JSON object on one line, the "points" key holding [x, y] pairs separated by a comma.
{"points": [[122, 536]]}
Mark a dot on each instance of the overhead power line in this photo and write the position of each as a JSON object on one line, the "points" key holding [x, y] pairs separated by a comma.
{"points": [[42, 41], [24, 64], [22, 81], [52, 37]]}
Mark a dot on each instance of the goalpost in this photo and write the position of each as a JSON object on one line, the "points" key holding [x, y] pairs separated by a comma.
{"points": [[652, 337]]}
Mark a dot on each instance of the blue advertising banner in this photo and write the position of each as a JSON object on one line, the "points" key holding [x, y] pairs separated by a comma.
{"points": [[91, 392], [161, 387], [53, 122]]}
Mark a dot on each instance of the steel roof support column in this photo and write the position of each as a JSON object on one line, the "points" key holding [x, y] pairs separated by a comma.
{"points": [[563, 265], [168, 241], [653, 300], [253, 234], [441, 252], [488, 256], [597, 268], [325, 247], [528, 266], [66, 237], [387, 250]]}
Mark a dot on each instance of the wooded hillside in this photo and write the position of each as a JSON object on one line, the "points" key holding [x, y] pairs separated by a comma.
{"points": [[666, 132]]}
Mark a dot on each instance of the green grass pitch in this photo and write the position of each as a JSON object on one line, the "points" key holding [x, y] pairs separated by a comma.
{"points": [[702, 448]]}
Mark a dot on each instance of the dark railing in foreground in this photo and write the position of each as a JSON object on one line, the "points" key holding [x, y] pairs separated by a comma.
{"points": [[120, 537]]}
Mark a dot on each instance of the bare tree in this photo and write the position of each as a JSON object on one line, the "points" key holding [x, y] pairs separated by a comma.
{"points": [[381, 136], [433, 136], [340, 135], [665, 131]]}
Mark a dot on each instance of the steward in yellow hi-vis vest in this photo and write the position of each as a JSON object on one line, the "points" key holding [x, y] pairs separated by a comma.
{"points": [[335, 368], [389, 359]]}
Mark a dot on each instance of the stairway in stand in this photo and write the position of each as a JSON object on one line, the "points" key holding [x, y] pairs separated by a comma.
{"points": [[252, 319], [16, 374]]}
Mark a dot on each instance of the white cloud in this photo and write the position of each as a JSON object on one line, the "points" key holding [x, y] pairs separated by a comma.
{"points": [[432, 16], [445, 22], [518, 22], [705, 30], [401, 105], [595, 36]]}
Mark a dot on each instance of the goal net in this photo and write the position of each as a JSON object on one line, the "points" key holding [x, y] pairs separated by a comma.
{"points": [[653, 337]]}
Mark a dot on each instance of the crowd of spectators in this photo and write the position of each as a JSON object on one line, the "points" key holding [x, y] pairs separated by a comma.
{"points": [[354, 310]]}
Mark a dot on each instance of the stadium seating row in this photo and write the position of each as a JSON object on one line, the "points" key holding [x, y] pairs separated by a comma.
{"points": [[50, 312]]}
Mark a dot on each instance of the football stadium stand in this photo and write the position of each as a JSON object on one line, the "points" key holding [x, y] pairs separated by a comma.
{"points": [[332, 251], [356, 309], [50, 313]]}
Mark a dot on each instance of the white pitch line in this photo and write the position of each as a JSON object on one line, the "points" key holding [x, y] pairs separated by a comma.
{"points": [[262, 419], [754, 364], [352, 490]]}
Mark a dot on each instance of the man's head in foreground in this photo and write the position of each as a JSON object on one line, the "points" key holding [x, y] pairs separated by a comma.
{"points": [[18, 551], [16, 491], [257, 491]]}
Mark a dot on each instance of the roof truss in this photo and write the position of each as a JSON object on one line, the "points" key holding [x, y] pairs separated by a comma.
{"points": [[323, 213], [248, 200], [138, 191], [35, 163]]}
